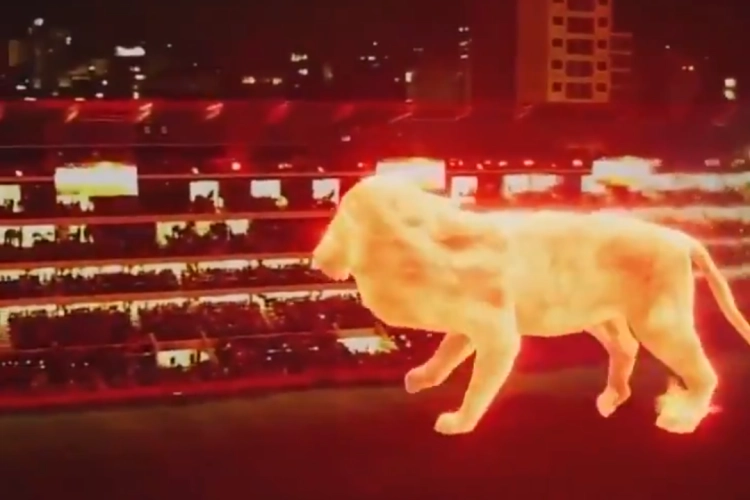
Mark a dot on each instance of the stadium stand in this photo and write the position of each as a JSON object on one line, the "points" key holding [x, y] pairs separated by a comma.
{"points": [[160, 261]]}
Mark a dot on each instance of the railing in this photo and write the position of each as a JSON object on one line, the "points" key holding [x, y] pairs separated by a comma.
{"points": [[147, 261], [187, 344], [187, 217], [62, 301]]}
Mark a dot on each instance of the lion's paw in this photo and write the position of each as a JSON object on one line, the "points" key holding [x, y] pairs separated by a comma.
{"points": [[453, 423], [678, 412], [418, 379], [674, 424], [609, 400]]}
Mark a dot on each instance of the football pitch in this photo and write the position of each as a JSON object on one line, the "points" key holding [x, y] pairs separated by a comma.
{"points": [[543, 439]]}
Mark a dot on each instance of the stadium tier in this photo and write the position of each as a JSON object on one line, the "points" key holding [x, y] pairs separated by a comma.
{"points": [[113, 277]]}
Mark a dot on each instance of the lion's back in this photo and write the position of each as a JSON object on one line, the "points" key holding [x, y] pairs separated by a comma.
{"points": [[574, 270], [562, 270]]}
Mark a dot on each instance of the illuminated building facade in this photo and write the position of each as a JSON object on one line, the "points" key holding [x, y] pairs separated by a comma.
{"points": [[49, 55], [441, 75], [126, 73], [567, 52]]}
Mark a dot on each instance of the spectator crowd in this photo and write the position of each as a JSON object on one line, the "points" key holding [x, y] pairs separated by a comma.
{"points": [[236, 303]]}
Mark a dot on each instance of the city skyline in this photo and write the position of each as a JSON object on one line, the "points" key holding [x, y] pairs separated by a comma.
{"points": [[255, 43]]}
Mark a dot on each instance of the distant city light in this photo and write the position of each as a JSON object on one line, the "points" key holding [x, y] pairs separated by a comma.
{"points": [[730, 89], [129, 51], [38, 22]]}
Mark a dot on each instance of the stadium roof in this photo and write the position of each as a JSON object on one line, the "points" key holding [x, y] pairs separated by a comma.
{"points": [[375, 128]]}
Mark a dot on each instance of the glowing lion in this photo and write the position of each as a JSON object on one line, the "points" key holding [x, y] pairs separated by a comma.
{"points": [[485, 280]]}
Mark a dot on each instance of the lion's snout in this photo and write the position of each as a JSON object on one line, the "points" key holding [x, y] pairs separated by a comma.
{"points": [[335, 273], [330, 266]]}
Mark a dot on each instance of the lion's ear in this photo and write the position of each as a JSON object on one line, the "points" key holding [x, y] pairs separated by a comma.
{"points": [[453, 229]]}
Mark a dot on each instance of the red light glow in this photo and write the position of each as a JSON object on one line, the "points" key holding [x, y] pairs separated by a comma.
{"points": [[430, 173]]}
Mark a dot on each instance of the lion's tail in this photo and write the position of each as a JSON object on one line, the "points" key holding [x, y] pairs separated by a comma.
{"points": [[720, 289]]}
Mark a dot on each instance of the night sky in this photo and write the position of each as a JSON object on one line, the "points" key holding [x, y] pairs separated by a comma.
{"points": [[231, 30]]}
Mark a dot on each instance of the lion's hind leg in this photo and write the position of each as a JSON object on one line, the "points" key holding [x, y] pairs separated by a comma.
{"points": [[622, 348], [670, 335]]}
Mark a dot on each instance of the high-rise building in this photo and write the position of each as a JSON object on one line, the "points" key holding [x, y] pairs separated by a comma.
{"points": [[126, 72], [441, 74], [49, 54], [17, 53], [622, 85], [492, 35], [564, 52]]}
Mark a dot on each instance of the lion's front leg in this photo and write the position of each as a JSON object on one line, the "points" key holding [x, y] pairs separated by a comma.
{"points": [[496, 350], [452, 351]]}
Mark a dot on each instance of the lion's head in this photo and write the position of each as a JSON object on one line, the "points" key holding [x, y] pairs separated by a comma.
{"points": [[351, 230], [385, 214]]}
